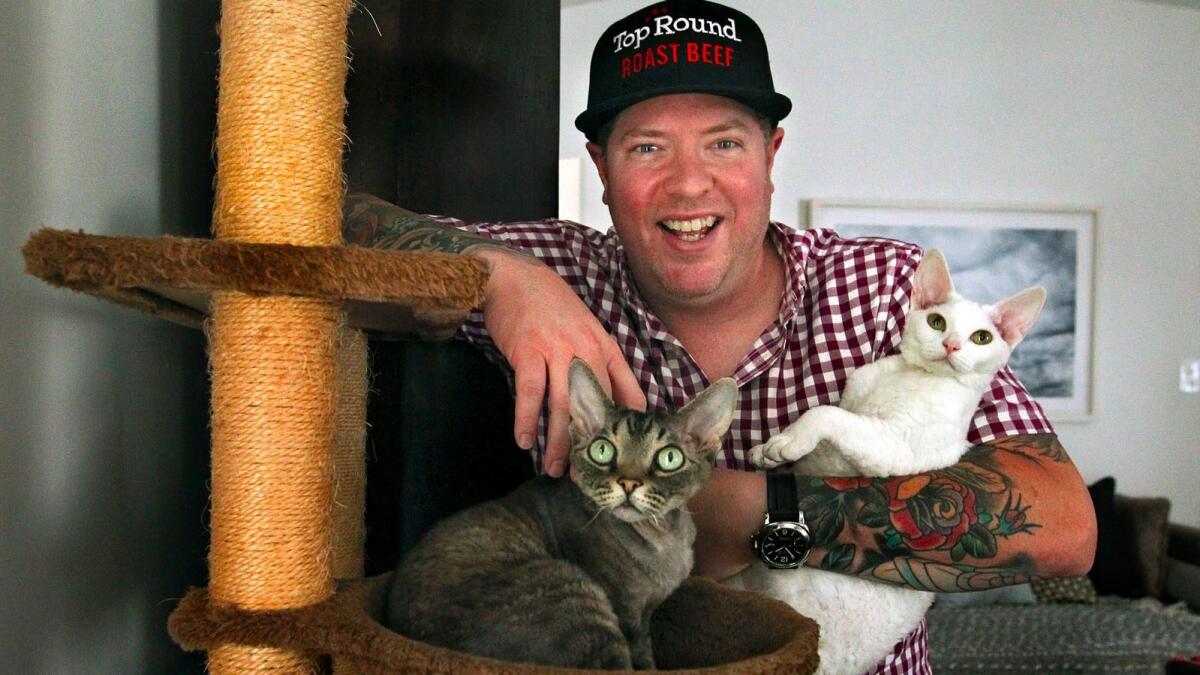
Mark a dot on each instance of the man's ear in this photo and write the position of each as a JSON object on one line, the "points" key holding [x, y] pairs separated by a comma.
{"points": [[597, 154], [773, 147]]}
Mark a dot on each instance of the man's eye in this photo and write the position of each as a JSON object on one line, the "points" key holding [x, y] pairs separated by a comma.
{"points": [[727, 144], [645, 147]]}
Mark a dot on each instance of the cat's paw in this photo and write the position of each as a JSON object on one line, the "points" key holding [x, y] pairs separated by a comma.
{"points": [[782, 448]]}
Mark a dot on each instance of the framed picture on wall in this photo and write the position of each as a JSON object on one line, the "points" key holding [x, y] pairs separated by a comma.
{"points": [[993, 252]]}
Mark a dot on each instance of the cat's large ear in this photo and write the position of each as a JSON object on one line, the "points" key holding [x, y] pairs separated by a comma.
{"points": [[708, 416], [1015, 316], [590, 406], [932, 285]]}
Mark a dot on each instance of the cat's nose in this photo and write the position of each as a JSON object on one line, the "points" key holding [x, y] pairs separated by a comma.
{"points": [[951, 345], [629, 484]]}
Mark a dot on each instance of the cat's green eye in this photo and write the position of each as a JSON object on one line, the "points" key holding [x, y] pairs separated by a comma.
{"points": [[601, 451], [981, 337], [669, 458], [936, 321]]}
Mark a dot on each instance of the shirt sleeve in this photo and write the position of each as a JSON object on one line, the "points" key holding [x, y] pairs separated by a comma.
{"points": [[575, 252]]}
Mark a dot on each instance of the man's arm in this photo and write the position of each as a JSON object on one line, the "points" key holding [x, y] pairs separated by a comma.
{"points": [[1011, 510], [534, 318]]}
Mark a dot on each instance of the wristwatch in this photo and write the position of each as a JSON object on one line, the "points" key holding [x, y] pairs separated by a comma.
{"points": [[783, 541]]}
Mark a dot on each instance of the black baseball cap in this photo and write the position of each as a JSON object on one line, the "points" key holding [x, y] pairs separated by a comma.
{"points": [[680, 47]]}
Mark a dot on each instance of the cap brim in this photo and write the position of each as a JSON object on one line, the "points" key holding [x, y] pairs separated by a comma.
{"points": [[774, 105]]}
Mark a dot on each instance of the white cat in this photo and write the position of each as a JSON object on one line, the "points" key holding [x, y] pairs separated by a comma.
{"points": [[903, 414]]}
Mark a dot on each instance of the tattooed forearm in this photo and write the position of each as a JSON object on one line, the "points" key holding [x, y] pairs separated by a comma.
{"points": [[938, 577], [957, 528], [370, 221]]}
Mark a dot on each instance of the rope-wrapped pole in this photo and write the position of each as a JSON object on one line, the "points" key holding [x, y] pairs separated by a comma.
{"points": [[280, 135]]}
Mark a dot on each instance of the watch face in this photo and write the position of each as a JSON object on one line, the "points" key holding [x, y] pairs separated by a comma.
{"points": [[784, 544]]}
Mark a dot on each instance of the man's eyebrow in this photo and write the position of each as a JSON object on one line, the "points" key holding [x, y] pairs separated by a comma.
{"points": [[641, 132], [731, 125], [649, 132]]}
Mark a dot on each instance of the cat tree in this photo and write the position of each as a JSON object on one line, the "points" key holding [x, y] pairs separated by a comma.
{"points": [[284, 305]]}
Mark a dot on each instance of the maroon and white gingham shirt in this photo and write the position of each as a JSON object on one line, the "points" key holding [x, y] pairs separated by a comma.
{"points": [[844, 306]]}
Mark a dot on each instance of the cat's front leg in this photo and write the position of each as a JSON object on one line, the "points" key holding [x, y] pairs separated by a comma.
{"points": [[641, 653], [797, 440]]}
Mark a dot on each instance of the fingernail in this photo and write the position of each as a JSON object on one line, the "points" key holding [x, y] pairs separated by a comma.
{"points": [[525, 441], [556, 468]]}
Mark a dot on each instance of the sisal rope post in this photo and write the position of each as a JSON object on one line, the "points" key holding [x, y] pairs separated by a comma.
{"points": [[349, 455], [280, 134], [350, 464]]}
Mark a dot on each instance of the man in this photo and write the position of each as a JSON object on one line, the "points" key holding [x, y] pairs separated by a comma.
{"points": [[695, 283]]}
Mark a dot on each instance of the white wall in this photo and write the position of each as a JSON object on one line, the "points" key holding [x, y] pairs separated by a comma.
{"points": [[101, 498], [1092, 102]]}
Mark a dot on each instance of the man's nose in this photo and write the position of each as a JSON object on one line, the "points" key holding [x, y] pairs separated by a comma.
{"points": [[690, 175], [629, 484]]}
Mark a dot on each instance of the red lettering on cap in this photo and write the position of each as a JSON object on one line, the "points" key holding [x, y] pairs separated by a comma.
{"points": [[705, 52], [625, 67]]}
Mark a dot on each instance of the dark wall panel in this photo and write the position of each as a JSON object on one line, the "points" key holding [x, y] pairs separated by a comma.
{"points": [[453, 109]]}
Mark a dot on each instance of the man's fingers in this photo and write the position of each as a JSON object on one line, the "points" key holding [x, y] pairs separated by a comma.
{"points": [[530, 384], [626, 390], [560, 416]]}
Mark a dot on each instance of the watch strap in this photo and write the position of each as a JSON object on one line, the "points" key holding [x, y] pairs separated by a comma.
{"points": [[783, 501]]}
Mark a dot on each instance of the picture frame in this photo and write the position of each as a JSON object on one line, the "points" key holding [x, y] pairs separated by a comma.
{"points": [[994, 251]]}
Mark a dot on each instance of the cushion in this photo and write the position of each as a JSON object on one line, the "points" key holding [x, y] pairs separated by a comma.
{"points": [[1115, 635], [1183, 583], [1131, 546], [1069, 590], [1107, 568], [1020, 594]]}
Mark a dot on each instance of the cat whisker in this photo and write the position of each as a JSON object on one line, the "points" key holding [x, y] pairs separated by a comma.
{"points": [[593, 519]]}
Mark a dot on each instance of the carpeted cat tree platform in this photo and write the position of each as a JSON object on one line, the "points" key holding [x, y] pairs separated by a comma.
{"points": [[283, 304]]}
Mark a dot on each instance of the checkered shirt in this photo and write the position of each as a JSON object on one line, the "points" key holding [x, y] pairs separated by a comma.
{"points": [[844, 306]]}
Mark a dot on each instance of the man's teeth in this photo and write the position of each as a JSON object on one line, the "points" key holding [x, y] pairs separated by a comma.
{"points": [[691, 230]]}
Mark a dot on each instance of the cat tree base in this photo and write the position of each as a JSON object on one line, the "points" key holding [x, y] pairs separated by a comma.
{"points": [[702, 628]]}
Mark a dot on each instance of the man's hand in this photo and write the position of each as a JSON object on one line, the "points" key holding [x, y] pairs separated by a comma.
{"points": [[539, 324]]}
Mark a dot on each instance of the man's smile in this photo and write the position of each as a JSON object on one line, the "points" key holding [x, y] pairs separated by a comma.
{"points": [[692, 229]]}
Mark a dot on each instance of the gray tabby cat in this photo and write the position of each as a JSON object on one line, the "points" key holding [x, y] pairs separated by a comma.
{"points": [[567, 572]]}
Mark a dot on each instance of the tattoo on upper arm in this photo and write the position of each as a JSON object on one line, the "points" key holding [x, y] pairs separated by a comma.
{"points": [[966, 511], [368, 221], [1036, 448]]}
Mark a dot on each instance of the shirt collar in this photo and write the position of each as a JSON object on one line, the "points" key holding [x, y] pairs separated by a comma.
{"points": [[627, 289], [793, 249]]}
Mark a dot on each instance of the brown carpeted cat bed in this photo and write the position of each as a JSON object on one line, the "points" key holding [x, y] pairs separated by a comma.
{"points": [[702, 628]]}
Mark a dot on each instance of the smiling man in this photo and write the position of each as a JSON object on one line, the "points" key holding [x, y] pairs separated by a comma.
{"points": [[695, 283]]}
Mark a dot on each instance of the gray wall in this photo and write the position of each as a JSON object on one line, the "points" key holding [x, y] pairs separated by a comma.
{"points": [[1091, 102], [103, 452]]}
